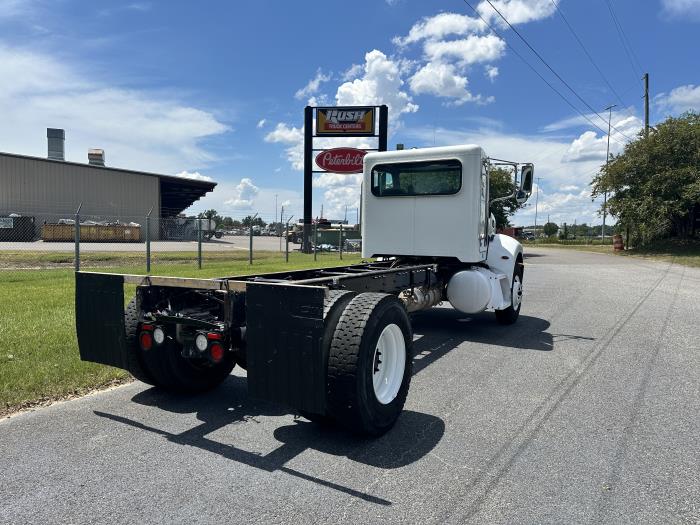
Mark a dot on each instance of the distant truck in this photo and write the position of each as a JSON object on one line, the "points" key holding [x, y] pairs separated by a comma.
{"points": [[187, 229], [334, 344]]}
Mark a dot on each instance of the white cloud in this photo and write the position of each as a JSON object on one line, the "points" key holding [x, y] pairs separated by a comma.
{"points": [[312, 86], [340, 191], [352, 72], [680, 99], [380, 83], [681, 8], [138, 129], [470, 50], [516, 11], [293, 138], [243, 195], [195, 175], [440, 26], [261, 123], [491, 72], [441, 80], [581, 121], [591, 146], [588, 146]]}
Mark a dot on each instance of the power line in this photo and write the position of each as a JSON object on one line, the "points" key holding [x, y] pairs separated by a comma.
{"points": [[590, 58], [637, 70], [553, 71], [537, 72]]}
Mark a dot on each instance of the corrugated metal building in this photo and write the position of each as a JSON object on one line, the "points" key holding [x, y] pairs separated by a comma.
{"points": [[51, 188]]}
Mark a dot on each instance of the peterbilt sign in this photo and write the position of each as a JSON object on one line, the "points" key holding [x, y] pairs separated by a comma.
{"points": [[341, 121], [341, 160]]}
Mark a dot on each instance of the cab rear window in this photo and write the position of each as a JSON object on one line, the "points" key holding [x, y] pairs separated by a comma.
{"points": [[410, 179]]}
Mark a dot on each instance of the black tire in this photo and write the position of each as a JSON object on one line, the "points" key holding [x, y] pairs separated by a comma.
{"points": [[333, 307], [510, 315], [133, 351], [163, 365], [351, 397]]}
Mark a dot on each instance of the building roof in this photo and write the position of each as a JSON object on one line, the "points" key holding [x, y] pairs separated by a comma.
{"points": [[176, 193]]}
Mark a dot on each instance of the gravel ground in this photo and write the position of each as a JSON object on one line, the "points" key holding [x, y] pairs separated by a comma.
{"points": [[585, 411]]}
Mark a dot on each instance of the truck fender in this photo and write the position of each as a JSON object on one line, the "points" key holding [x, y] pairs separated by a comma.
{"points": [[504, 253]]}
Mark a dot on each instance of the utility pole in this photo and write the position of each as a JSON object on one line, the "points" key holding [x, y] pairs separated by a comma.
{"points": [[646, 105], [607, 160], [275, 215], [281, 230], [537, 198]]}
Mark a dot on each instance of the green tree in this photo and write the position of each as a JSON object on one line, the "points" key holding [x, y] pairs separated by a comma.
{"points": [[654, 184], [250, 221], [550, 229], [501, 185], [212, 214]]}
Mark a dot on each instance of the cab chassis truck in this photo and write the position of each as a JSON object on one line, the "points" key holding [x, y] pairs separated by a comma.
{"points": [[334, 344]]}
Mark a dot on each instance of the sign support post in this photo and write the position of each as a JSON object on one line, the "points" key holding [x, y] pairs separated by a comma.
{"points": [[351, 121], [308, 177]]}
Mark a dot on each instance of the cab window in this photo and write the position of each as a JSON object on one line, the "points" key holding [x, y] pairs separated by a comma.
{"points": [[410, 179]]}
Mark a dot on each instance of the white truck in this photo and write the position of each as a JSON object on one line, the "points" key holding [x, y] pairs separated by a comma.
{"points": [[334, 344]]}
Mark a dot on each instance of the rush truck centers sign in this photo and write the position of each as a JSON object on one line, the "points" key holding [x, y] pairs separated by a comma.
{"points": [[342, 121], [341, 160]]}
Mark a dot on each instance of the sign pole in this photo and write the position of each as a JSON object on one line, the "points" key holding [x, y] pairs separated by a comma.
{"points": [[308, 177], [383, 127]]}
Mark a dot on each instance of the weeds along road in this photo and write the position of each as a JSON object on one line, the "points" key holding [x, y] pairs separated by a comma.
{"points": [[585, 411]]}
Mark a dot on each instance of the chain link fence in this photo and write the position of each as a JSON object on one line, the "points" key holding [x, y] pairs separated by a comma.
{"points": [[148, 244]]}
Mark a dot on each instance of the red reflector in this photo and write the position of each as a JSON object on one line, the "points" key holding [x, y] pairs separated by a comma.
{"points": [[146, 340], [214, 335], [216, 351], [147, 327]]}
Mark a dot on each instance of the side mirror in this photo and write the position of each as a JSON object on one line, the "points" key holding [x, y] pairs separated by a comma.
{"points": [[526, 178]]}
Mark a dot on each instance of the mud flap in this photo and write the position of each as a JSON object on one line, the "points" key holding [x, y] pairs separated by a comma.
{"points": [[284, 340], [99, 318]]}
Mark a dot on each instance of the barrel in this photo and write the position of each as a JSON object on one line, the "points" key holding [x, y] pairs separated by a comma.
{"points": [[618, 245]]}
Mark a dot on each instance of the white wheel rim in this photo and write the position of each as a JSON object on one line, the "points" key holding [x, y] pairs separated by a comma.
{"points": [[517, 295], [388, 364]]}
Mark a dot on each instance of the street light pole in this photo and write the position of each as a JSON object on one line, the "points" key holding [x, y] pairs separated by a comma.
{"points": [[607, 159]]}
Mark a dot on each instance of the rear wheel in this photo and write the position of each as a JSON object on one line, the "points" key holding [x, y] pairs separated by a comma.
{"points": [[165, 367], [333, 306], [370, 364], [134, 362], [511, 314]]}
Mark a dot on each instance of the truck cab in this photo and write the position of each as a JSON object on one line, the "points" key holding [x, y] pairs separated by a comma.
{"points": [[430, 202]]}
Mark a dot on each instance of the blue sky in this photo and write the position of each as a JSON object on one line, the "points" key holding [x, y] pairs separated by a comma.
{"points": [[217, 89]]}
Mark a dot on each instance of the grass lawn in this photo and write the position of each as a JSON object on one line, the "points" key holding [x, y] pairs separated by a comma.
{"points": [[38, 349], [686, 253]]}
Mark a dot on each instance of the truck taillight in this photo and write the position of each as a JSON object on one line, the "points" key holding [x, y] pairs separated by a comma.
{"points": [[216, 351], [146, 340]]}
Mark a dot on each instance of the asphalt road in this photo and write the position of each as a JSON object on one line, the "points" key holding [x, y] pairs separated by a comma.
{"points": [[585, 411]]}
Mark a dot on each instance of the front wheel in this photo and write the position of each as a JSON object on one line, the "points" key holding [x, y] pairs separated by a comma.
{"points": [[511, 314], [370, 364]]}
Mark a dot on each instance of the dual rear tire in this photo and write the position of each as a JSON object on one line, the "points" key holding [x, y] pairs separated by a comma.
{"points": [[164, 366], [368, 341]]}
